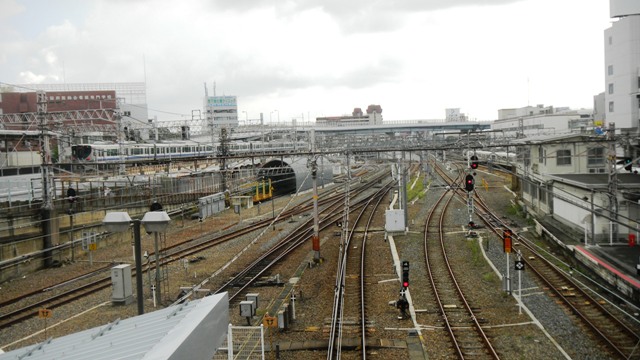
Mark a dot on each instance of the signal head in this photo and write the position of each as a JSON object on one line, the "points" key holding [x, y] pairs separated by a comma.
{"points": [[469, 183], [474, 162]]}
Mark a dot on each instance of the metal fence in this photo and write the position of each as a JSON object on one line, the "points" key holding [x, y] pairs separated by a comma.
{"points": [[243, 342]]}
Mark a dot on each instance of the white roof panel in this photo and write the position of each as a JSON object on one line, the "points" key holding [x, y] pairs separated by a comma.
{"points": [[192, 330]]}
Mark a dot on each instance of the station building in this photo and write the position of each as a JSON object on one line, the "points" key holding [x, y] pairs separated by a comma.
{"points": [[372, 117], [566, 178], [540, 119]]}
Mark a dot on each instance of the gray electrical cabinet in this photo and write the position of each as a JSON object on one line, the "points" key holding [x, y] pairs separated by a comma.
{"points": [[121, 289], [247, 308], [394, 220]]}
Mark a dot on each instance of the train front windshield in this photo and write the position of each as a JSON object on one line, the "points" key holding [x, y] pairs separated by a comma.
{"points": [[81, 152]]}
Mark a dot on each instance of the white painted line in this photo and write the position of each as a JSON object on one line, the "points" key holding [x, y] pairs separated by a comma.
{"points": [[49, 327], [412, 310], [526, 309]]}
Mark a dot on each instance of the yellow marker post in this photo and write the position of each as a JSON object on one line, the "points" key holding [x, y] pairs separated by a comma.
{"points": [[45, 314], [270, 322]]}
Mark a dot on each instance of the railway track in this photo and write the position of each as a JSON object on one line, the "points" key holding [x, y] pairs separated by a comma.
{"points": [[618, 336], [25, 307], [603, 322], [456, 312], [349, 291]]}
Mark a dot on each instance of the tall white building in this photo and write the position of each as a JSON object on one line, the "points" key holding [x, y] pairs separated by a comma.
{"points": [[622, 65], [540, 119]]}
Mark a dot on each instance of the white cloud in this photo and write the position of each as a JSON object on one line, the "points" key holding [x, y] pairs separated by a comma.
{"points": [[414, 58]]}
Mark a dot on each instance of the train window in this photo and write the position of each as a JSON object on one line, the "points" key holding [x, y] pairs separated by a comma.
{"points": [[185, 149]]}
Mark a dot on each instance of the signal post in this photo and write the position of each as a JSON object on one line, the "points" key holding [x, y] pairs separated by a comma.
{"points": [[507, 244], [403, 304], [469, 185]]}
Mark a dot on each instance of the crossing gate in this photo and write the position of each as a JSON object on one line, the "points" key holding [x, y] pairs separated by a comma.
{"points": [[243, 342]]}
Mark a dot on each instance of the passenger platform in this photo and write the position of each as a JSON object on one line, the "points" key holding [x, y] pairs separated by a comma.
{"points": [[620, 260], [616, 263]]}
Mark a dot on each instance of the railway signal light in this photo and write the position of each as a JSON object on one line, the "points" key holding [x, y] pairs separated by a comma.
{"points": [[155, 206], [474, 162], [405, 274], [469, 182], [627, 162], [506, 235]]}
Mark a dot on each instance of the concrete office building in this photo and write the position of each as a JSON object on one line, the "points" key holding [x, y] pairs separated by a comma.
{"points": [[622, 65]]}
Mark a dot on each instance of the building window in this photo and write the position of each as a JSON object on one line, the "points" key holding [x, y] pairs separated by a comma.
{"points": [[610, 70], [610, 88], [610, 106], [540, 155], [524, 155], [543, 196], [610, 40], [563, 157], [595, 157]]}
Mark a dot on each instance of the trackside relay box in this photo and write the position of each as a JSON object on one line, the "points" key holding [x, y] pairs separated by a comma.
{"points": [[394, 221], [121, 289]]}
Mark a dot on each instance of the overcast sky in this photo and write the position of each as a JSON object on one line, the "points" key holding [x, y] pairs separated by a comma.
{"points": [[313, 57]]}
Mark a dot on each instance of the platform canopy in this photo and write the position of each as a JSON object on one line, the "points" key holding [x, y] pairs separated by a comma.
{"points": [[192, 330]]}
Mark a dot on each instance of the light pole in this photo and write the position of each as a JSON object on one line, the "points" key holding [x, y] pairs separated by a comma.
{"points": [[119, 221], [155, 222], [246, 118]]}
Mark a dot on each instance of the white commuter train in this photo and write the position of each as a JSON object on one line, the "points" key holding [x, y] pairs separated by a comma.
{"points": [[175, 150], [493, 156]]}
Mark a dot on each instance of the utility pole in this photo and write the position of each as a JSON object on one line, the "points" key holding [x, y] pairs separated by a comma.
{"points": [[315, 238], [47, 176], [613, 181], [224, 153], [118, 115], [403, 183], [347, 189]]}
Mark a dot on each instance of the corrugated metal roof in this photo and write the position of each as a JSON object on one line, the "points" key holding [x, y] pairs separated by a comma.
{"points": [[176, 332], [541, 139], [599, 181]]}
